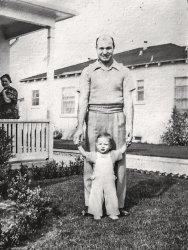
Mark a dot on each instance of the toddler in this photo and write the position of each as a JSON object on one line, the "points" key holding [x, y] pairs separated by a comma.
{"points": [[103, 178]]}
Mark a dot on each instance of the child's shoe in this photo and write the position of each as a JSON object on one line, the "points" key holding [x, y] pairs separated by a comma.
{"points": [[113, 217], [96, 217]]}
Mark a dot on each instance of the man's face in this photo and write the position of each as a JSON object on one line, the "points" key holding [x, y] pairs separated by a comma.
{"points": [[105, 49], [103, 145]]}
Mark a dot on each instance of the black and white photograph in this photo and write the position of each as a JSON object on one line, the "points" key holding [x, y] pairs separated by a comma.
{"points": [[94, 124]]}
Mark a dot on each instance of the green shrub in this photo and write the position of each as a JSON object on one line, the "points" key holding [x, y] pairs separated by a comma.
{"points": [[30, 215], [32, 206], [57, 134], [5, 147], [54, 170], [177, 129], [5, 155]]}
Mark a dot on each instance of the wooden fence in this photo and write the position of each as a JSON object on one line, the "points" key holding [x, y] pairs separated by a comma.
{"points": [[31, 140]]}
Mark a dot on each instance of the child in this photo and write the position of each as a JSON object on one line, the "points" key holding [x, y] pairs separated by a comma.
{"points": [[103, 178]]}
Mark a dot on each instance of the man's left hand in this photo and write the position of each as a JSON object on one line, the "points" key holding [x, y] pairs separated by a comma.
{"points": [[129, 138]]}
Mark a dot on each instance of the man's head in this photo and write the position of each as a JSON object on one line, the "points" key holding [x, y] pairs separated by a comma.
{"points": [[104, 143], [105, 48]]}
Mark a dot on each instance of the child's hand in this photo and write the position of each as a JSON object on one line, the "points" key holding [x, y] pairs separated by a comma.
{"points": [[77, 141], [123, 148], [128, 144]]}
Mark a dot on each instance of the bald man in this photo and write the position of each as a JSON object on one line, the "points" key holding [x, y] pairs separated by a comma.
{"points": [[106, 105]]}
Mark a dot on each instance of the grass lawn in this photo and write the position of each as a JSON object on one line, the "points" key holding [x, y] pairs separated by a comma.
{"points": [[139, 149], [158, 220]]}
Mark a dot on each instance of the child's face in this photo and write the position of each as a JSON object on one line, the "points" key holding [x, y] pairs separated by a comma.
{"points": [[103, 145]]}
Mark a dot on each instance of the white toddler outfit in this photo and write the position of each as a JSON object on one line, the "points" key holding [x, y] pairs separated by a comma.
{"points": [[103, 183]]}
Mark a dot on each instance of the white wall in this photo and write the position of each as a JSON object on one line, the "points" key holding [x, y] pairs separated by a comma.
{"points": [[151, 117], [67, 122], [27, 111], [50, 101], [4, 54]]}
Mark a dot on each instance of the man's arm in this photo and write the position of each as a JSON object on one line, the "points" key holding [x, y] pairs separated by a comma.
{"points": [[82, 103], [129, 95], [129, 117]]}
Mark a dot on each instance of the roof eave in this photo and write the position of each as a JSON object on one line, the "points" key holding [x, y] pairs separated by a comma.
{"points": [[129, 66]]}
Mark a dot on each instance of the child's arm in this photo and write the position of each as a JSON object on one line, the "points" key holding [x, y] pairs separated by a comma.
{"points": [[82, 151], [80, 148], [124, 147], [90, 156]]}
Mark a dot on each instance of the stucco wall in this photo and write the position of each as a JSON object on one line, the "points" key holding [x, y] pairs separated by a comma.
{"points": [[4, 54], [151, 115], [50, 103], [27, 111]]}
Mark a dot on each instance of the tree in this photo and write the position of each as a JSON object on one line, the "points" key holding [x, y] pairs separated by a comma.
{"points": [[177, 129]]}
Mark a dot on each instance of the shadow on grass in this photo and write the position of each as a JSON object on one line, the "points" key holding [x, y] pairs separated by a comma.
{"points": [[149, 188]]}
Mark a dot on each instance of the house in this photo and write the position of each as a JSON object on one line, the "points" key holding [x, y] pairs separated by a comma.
{"points": [[31, 139], [19, 17], [161, 73]]}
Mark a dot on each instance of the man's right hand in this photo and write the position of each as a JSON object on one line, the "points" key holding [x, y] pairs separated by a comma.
{"points": [[78, 136]]}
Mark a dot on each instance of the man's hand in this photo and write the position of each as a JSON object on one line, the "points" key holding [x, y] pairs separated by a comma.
{"points": [[78, 136], [129, 138]]}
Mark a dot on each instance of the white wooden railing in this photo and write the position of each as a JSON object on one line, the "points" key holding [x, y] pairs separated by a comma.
{"points": [[31, 140]]}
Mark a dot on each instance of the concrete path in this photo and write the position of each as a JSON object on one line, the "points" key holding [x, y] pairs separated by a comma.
{"points": [[139, 162]]}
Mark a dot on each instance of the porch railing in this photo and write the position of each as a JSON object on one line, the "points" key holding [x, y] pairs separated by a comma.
{"points": [[31, 140]]}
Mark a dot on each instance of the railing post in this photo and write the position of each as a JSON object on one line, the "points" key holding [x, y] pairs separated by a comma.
{"points": [[50, 141]]}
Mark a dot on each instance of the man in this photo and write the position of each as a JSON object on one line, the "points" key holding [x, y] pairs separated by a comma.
{"points": [[106, 105]]}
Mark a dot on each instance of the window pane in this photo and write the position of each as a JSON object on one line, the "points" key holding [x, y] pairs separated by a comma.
{"points": [[68, 101], [140, 96], [181, 93], [181, 81], [35, 97], [140, 90]]}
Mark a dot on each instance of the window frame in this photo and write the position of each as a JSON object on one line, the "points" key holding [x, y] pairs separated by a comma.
{"points": [[140, 91], [181, 99], [63, 115], [35, 98]]}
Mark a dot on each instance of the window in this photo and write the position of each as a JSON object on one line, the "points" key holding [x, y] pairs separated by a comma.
{"points": [[181, 93], [68, 101], [35, 97], [140, 90]]}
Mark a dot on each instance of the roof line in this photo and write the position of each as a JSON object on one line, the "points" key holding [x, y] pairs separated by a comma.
{"points": [[79, 71], [47, 6], [156, 62]]}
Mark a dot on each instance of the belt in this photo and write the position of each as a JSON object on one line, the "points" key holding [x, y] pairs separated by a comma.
{"points": [[106, 108]]}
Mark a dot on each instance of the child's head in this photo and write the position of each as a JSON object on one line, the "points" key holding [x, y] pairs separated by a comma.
{"points": [[104, 143]]}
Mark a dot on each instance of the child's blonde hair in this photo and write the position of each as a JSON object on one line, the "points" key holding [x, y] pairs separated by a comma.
{"points": [[106, 135]]}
